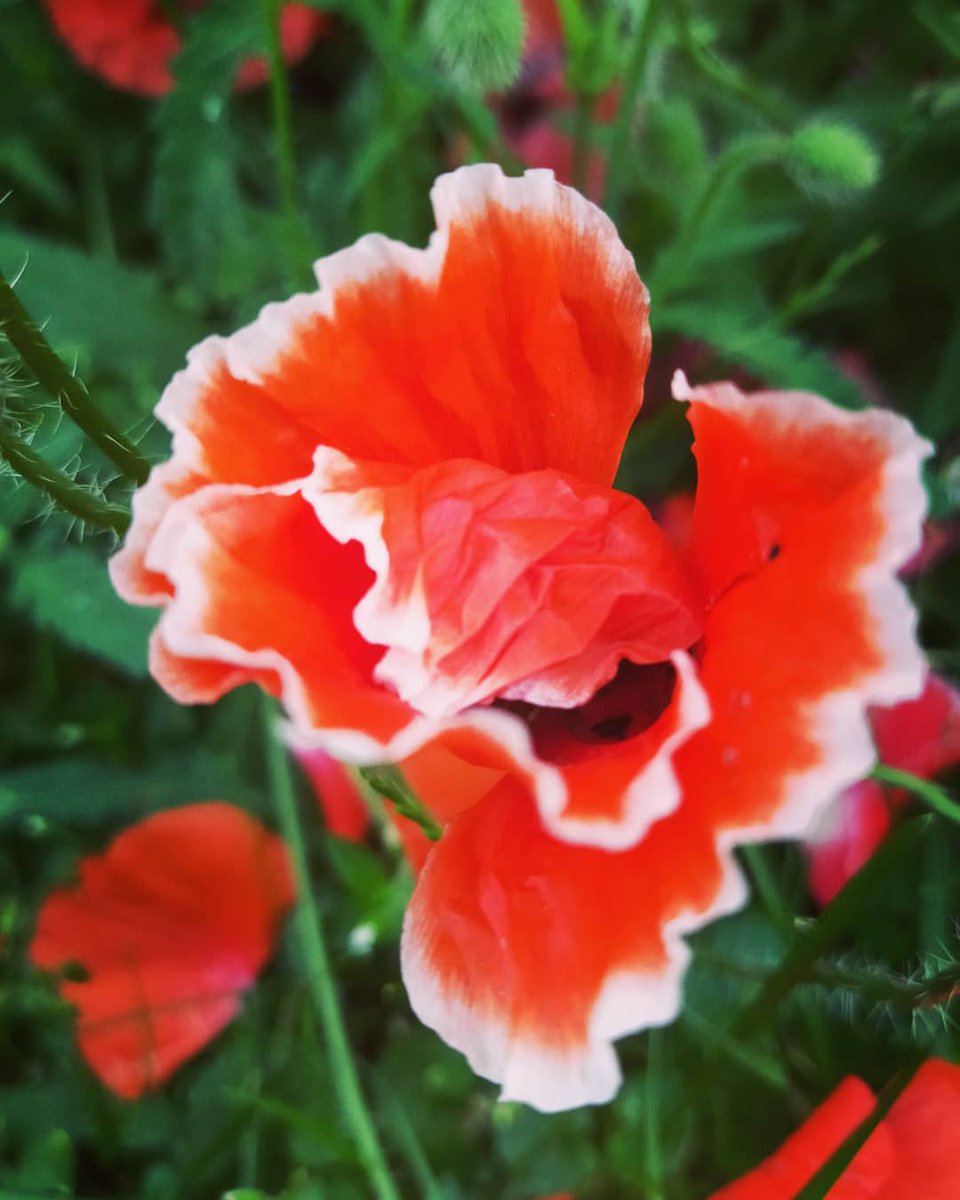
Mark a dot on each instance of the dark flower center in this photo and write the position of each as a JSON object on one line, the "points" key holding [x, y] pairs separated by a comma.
{"points": [[629, 704]]}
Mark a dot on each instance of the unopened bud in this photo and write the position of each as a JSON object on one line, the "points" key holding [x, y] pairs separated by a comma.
{"points": [[478, 42], [832, 160]]}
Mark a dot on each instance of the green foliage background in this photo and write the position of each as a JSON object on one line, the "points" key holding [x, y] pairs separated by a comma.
{"points": [[137, 226]]}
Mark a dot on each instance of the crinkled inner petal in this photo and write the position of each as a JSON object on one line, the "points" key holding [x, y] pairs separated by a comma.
{"points": [[528, 587]]}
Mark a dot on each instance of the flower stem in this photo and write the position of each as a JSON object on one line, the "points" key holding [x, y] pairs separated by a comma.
{"points": [[297, 252], [673, 262], [652, 1160], [65, 388], [61, 489], [323, 991], [727, 76], [930, 794], [389, 783]]}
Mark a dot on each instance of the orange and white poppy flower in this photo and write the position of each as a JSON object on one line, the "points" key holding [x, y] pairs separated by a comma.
{"points": [[390, 503]]}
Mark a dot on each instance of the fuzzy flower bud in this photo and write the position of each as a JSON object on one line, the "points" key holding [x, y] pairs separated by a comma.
{"points": [[479, 44], [832, 160]]}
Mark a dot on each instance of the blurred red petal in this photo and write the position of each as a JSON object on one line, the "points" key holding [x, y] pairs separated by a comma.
{"points": [[131, 43], [913, 1154], [921, 736], [851, 829], [171, 924], [300, 26]]}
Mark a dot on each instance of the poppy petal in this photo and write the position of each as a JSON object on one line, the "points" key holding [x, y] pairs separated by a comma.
{"points": [[913, 1154], [171, 923], [921, 736], [845, 837], [344, 810], [530, 587], [809, 511], [131, 43], [531, 955], [801, 1156], [262, 593]]}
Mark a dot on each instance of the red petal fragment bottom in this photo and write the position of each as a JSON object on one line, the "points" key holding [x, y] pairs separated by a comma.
{"points": [[913, 1154]]}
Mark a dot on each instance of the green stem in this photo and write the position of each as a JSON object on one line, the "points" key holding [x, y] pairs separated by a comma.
{"points": [[390, 783], [900, 993], [405, 1138], [764, 882], [343, 1071], [409, 62], [634, 80], [65, 388], [297, 252], [725, 74], [930, 794], [61, 489], [652, 1161], [837, 920]]}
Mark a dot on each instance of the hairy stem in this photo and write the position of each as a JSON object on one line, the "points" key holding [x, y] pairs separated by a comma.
{"points": [[61, 489], [838, 919], [65, 388]]}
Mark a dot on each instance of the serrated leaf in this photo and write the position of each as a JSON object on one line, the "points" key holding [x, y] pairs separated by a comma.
{"points": [[68, 591], [116, 314], [779, 359]]}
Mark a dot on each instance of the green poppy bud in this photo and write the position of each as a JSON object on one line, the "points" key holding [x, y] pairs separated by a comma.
{"points": [[832, 160], [479, 43]]}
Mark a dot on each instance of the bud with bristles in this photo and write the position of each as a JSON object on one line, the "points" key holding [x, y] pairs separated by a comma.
{"points": [[478, 42], [833, 160]]}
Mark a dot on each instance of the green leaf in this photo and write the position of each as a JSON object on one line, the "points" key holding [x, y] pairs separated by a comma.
{"points": [[753, 341], [117, 315], [67, 590], [88, 791]]}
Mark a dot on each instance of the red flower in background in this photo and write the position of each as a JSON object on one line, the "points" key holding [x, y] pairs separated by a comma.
{"points": [[131, 43], [170, 924], [921, 736], [913, 1154], [528, 111], [390, 503]]}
